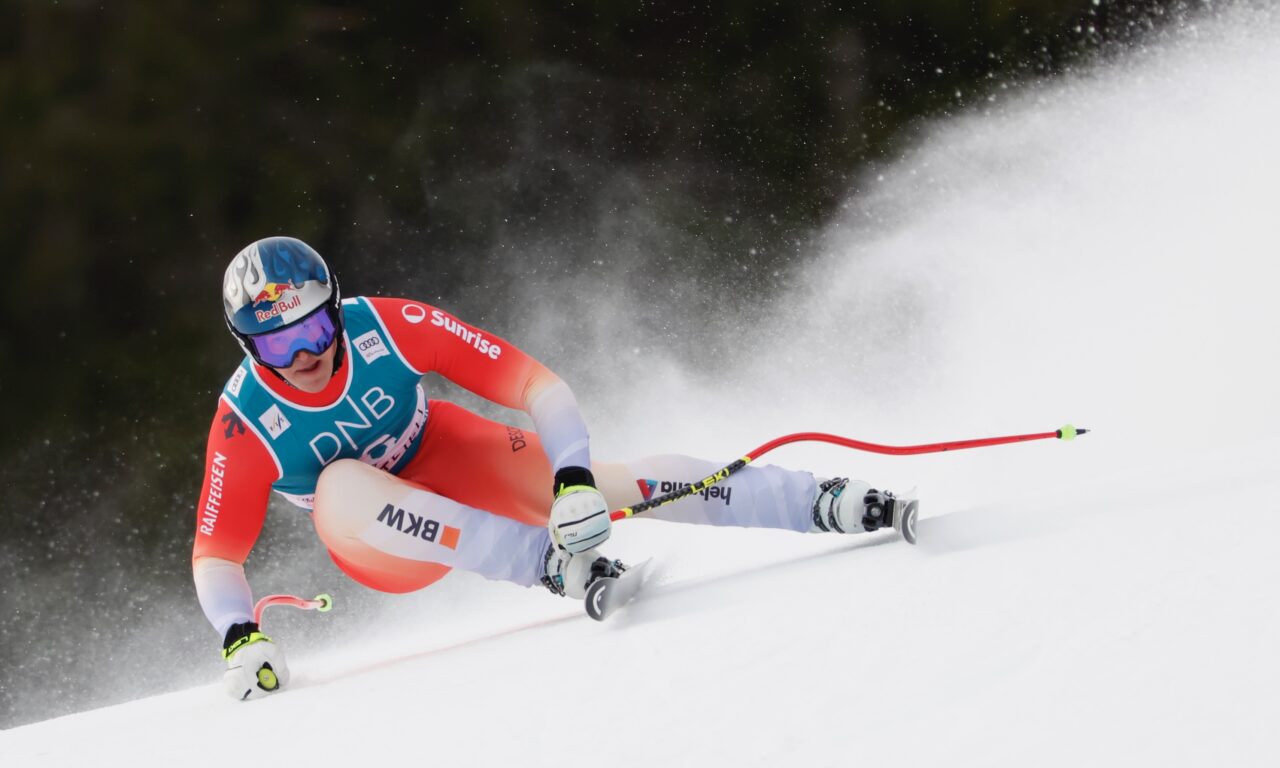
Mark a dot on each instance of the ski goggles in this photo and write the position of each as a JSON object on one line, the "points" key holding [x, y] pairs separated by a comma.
{"points": [[313, 333]]}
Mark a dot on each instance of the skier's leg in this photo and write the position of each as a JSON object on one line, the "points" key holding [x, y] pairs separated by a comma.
{"points": [[762, 496], [500, 468], [503, 469], [392, 535], [490, 482], [758, 496], [483, 464]]}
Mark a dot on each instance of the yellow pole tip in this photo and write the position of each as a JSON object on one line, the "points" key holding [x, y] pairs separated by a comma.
{"points": [[267, 679]]}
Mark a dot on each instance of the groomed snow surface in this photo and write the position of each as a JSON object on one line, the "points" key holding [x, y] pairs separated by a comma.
{"points": [[1099, 249]]}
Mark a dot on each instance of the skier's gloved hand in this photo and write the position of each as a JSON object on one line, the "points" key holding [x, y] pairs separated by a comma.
{"points": [[255, 665], [579, 516]]}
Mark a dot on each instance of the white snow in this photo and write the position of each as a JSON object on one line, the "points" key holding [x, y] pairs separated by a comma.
{"points": [[1100, 249]]}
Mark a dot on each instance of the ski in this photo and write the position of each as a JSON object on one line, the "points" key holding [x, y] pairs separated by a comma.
{"points": [[609, 593]]}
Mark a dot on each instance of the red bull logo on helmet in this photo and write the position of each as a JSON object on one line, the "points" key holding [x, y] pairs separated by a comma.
{"points": [[277, 309], [272, 293]]}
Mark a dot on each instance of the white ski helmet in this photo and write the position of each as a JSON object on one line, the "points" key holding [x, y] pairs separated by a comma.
{"points": [[279, 297]]}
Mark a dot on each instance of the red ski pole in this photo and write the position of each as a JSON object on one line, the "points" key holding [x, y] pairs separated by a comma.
{"points": [[1066, 433], [321, 603]]}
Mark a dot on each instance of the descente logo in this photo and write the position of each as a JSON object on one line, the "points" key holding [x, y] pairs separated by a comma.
{"points": [[474, 338], [517, 439]]}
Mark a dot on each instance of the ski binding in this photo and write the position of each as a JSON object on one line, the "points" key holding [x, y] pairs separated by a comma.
{"points": [[609, 593]]}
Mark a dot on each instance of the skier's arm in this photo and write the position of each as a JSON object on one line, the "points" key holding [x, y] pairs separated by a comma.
{"points": [[239, 472], [431, 339]]}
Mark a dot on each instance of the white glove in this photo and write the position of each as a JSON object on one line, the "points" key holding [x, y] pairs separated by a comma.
{"points": [[255, 665], [579, 516]]}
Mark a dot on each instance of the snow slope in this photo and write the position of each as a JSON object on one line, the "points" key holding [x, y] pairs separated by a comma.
{"points": [[1101, 248]]}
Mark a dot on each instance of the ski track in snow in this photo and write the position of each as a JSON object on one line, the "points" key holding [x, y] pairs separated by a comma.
{"points": [[1100, 248]]}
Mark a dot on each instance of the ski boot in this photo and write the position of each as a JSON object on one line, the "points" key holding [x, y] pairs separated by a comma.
{"points": [[853, 507], [571, 575]]}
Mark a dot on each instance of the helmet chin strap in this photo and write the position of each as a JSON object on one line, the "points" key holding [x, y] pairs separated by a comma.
{"points": [[339, 355]]}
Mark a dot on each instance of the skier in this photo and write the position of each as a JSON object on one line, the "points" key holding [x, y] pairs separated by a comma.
{"points": [[328, 410]]}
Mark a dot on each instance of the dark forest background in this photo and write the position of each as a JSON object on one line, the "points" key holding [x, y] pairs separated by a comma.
{"points": [[416, 146]]}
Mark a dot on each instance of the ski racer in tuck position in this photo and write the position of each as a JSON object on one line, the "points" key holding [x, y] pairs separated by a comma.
{"points": [[328, 410]]}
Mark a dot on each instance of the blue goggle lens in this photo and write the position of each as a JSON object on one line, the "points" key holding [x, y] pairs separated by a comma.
{"points": [[314, 333]]}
